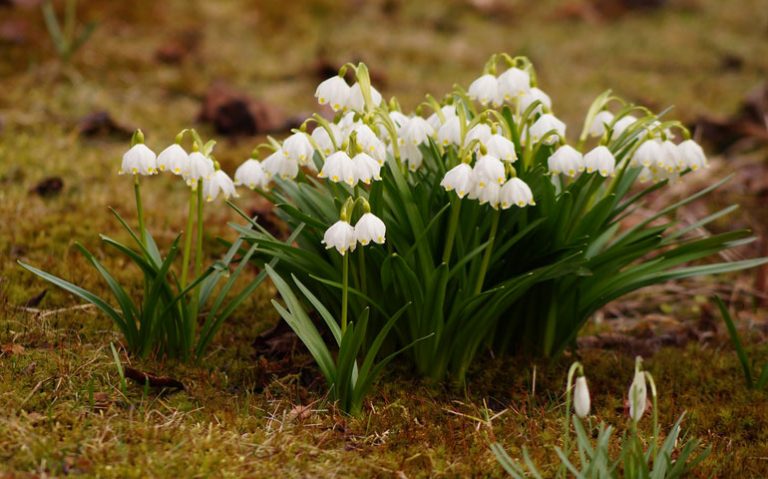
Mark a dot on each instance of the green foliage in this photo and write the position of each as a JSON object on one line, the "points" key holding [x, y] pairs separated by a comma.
{"points": [[746, 365], [66, 39]]}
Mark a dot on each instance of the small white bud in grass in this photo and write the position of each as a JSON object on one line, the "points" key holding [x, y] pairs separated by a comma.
{"points": [[501, 147], [199, 167], [366, 168], [173, 159], [356, 101], [692, 155], [252, 175], [600, 159], [533, 95], [485, 90], [450, 132], [297, 147], [638, 394], [218, 184], [544, 125], [339, 168], [139, 160], [601, 121], [581, 400], [341, 235], [513, 83], [489, 169], [370, 228], [516, 192], [460, 179], [334, 92], [566, 160]]}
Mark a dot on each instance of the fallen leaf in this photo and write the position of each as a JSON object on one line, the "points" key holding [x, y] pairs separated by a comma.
{"points": [[143, 378], [234, 113], [11, 349], [48, 187], [35, 300]]}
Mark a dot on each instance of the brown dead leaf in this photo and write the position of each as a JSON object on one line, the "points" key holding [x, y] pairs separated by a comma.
{"points": [[11, 349], [234, 113], [143, 378], [177, 48], [102, 401], [299, 412], [48, 187]]}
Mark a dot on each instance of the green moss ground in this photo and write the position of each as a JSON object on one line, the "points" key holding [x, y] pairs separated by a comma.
{"points": [[63, 410]]}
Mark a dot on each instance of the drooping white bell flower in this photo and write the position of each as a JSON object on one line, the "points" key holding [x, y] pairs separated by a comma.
{"points": [[218, 184], [339, 167], [251, 174], [356, 101], [480, 132], [139, 160], [370, 143], [485, 90], [581, 400], [647, 154], [566, 160], [450, 132], [412, 155], [173, 159], [601, 121], [400, 119], [460, 179], [490, 194], [670, 158], [692, 155], [489, 169], [546, 123], [622, 124], [341, 235], [323, 139], [638, 396], [501, 147], [516, 192], [298, 148], [333, 91], [533, 95], [514, 83], [417, 131], [279, 165], [366, 168], [199, 167], [370, 228], [600, 159], [645, 175], [448, 111]]}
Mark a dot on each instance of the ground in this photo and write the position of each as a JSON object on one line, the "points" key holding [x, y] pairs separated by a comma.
{"points": [[65, 410]]}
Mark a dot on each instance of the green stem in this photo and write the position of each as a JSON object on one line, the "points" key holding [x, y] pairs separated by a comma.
{"points": [[453, 223], [199, 247], [361, 267], [344, 291], [488, 251], [139, 209], [188, 239]]}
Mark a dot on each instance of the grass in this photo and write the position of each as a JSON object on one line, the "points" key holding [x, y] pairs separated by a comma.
{"points": [[64, 411]]}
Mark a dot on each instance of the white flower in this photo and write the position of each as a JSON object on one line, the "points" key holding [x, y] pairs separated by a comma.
{"points": [[622, 124], [399, 118], [356, 101], [460, 178], [516, 192], [347, 123], [417, 131], [199, 167], [638, 396], [278, 164], [600, 123], [581, 401], [546, 123], [566, 160], [450, 132], [366, 168], [647, 154], [670, 158], [139, 160], [448, 111], [533, 95], [173, 158], [370, 143], [251, 174], [514, 83], [339, 167], [646, 175], [370, 228], [692, 155], [490, 194], [323, 139], [480, 132], [218, 183], [412, 155], [501, 147], [333, 91], [298, 148], [341, 235], [485, 90], [601, 160], [489, 169]]}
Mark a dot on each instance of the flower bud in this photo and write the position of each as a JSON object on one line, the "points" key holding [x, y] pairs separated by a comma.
{"points": [[581, 401]]}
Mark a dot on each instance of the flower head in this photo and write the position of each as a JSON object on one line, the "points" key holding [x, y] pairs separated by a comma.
{"points": [[581, 401], [366, 168], [356, 101], [600, 123], [501, 147], [532, 95], [514, 83], [434, 120], [545, 124], [460, 178], [412, 155], [333, 91], [490, 194], [341, 235], [298, 148], [516, 192], [489, 169], [638, 394], [218, 184], [370, 143], [199, 167], [139, 160], [485, 90], [278, 164], [252, 175], [450, 132], [416, 131], [480, 132], [323, 139], [339, 167], [647, 154], [370, 228], [173, 159], [566, 160], [622, 124], [692, 155], [600, 159]]}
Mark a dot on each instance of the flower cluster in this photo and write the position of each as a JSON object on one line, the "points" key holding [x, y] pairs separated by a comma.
{"points": [[345, 237]]}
